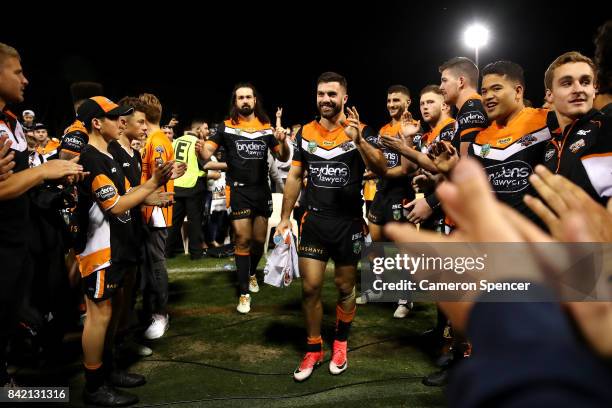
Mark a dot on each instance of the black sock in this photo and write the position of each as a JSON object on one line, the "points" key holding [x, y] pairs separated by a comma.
{"points": [[94, 378], [255, 258], [108, 361], [342, 330], [243, 266], [314, 345]]}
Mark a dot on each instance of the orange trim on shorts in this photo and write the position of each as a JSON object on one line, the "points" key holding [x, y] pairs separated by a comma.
{"points": [[302, 221], [227, 196], [92, 366], [100, 279], [344, 316], [240, 253]]}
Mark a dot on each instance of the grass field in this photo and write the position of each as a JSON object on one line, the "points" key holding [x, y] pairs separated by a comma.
{"points": [[212, 356]]}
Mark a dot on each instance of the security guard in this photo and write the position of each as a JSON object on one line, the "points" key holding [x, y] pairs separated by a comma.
{"points": [[189, 195]]}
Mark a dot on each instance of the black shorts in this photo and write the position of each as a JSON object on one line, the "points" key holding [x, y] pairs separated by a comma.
{"points": [[250, 202], [103, 284], [323, 237], [388, 208]]}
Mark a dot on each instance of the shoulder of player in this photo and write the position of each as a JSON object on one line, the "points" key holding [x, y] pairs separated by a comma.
{"points": [[597, 125], [472, 113], [450, 125], [250, 127], [528, 122], [389, 128], [96, 162], [309, 131]]}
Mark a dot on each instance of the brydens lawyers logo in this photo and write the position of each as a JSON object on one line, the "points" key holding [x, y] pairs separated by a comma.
{"points": [[392, 159], [549, 154], [510, 177], [105, 192], [73, 143], [329, 174], [251, 149], [472, 117]]}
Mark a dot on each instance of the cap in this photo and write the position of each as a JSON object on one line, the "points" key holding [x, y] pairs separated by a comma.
{"points": [[28, 112], [101, 107], [38, 126], [75, 138]]}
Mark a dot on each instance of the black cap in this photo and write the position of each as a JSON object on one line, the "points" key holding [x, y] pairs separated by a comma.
{"points": [[75, 138], [101, 107]]}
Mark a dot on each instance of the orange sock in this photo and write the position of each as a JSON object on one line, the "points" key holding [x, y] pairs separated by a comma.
{"points": [[343, 322]]}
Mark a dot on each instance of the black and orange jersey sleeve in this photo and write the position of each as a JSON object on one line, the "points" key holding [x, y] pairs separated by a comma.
{"points": [[370, 135], [104, 191], [296, 160], [597, 159], [471, 119], [98, 185], [216, 140], [272, 143], [447, 132]]}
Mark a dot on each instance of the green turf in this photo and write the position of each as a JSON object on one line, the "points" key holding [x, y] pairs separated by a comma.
{"points": [[212, 356]]}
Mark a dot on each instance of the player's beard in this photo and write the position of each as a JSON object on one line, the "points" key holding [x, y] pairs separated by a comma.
{"points": [[245, 110], [398, 115], [335, 110]]}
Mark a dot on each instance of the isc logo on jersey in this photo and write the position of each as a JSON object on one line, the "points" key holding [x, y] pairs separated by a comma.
{"points": [[509, 177], [251, 149], [105, 192], [329, 174], [392, 158]]}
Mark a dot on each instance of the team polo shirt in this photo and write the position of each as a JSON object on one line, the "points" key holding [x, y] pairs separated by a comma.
{"points": [[335, 169], [582, 152], [246, 146]]}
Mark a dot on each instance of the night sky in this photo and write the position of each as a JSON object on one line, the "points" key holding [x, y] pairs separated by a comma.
{"points": [[191, 59]]}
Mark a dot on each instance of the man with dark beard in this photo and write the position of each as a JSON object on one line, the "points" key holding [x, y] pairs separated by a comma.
{"points": [[335, 152], [246, 136]]}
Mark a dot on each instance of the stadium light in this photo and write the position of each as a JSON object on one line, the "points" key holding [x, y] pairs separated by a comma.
{"points": [[476, 36]]}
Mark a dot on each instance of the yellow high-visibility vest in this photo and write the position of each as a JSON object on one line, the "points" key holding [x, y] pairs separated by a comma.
{"points": [[184, 151]]}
